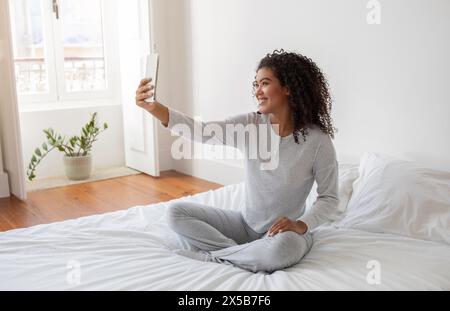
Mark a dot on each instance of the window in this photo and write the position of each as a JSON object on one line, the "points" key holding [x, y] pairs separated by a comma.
{"points": [[29, 50], [62, 49]]}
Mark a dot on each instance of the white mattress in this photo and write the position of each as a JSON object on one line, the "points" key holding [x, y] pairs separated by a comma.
{"points": [[131, 250]]}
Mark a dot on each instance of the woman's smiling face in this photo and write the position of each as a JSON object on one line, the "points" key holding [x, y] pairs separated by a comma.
{"points": [[271, 95]]}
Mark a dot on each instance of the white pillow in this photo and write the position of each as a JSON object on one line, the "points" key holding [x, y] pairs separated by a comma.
{"points": [[347, 175], [399, 197]]}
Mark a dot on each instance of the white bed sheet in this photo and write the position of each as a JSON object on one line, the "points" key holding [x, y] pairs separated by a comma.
{"points": [[131, 250]]}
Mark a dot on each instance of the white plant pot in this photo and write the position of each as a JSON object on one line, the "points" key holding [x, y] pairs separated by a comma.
{"points": [[78, 168]]}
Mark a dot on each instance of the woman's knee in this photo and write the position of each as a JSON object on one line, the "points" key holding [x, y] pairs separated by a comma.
{"points": [[174, 213], [287, 248]]}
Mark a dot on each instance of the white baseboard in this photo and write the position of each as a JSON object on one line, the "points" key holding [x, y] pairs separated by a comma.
{"points": [[4, 185]]}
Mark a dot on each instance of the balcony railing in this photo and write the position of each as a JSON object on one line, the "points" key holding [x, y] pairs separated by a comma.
{"points": [[80, 73]]}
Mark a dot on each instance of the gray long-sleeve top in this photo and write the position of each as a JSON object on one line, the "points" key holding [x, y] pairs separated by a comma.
{"points": [[276, 185]]}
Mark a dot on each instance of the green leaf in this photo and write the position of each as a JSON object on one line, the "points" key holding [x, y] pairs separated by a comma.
{"points": [[44, 146], [105, 126], [38, 152], [33, 159]]}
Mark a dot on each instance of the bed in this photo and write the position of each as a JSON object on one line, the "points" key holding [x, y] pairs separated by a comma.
{"points": [[132, 250]]}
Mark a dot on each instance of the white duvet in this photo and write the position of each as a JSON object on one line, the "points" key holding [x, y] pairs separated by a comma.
{"points": [[131, 250]]}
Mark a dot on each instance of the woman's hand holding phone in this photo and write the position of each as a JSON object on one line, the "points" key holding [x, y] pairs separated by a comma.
{"points": [[145, 90]]}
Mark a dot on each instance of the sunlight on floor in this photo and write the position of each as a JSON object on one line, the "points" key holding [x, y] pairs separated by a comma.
{"points": [[60, 181]]}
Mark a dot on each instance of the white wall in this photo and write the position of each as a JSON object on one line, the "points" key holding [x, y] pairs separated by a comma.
{"points": [[389, 81]]}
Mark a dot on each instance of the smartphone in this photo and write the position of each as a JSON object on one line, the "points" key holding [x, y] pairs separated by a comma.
{"points": [[152, 72]]}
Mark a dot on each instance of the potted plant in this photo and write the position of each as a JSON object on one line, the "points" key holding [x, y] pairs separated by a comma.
{"points": [[77, 156]]}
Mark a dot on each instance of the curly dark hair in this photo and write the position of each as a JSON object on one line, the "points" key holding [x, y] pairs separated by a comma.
{"points": [[309, 98]]}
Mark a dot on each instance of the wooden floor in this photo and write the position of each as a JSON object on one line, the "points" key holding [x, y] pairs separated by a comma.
{"points": [[98, 197]]}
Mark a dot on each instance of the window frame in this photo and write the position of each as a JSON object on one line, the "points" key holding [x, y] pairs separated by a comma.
{"points": [[54, 59]]}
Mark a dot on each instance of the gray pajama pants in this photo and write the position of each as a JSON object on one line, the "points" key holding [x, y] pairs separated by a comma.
{"points": [[226, 235]]}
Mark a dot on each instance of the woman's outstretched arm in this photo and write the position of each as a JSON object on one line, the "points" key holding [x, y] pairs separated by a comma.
{"points": [[213, 132]]}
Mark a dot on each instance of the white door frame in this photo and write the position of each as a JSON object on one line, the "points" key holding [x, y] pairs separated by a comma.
{"points": [[9, 110]]}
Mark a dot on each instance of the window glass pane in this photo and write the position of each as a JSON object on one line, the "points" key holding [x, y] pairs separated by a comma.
{"points": [[28, 46], [82, 34]]}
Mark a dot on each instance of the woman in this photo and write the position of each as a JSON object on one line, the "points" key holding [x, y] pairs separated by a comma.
{"points": [[273, 231]]}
